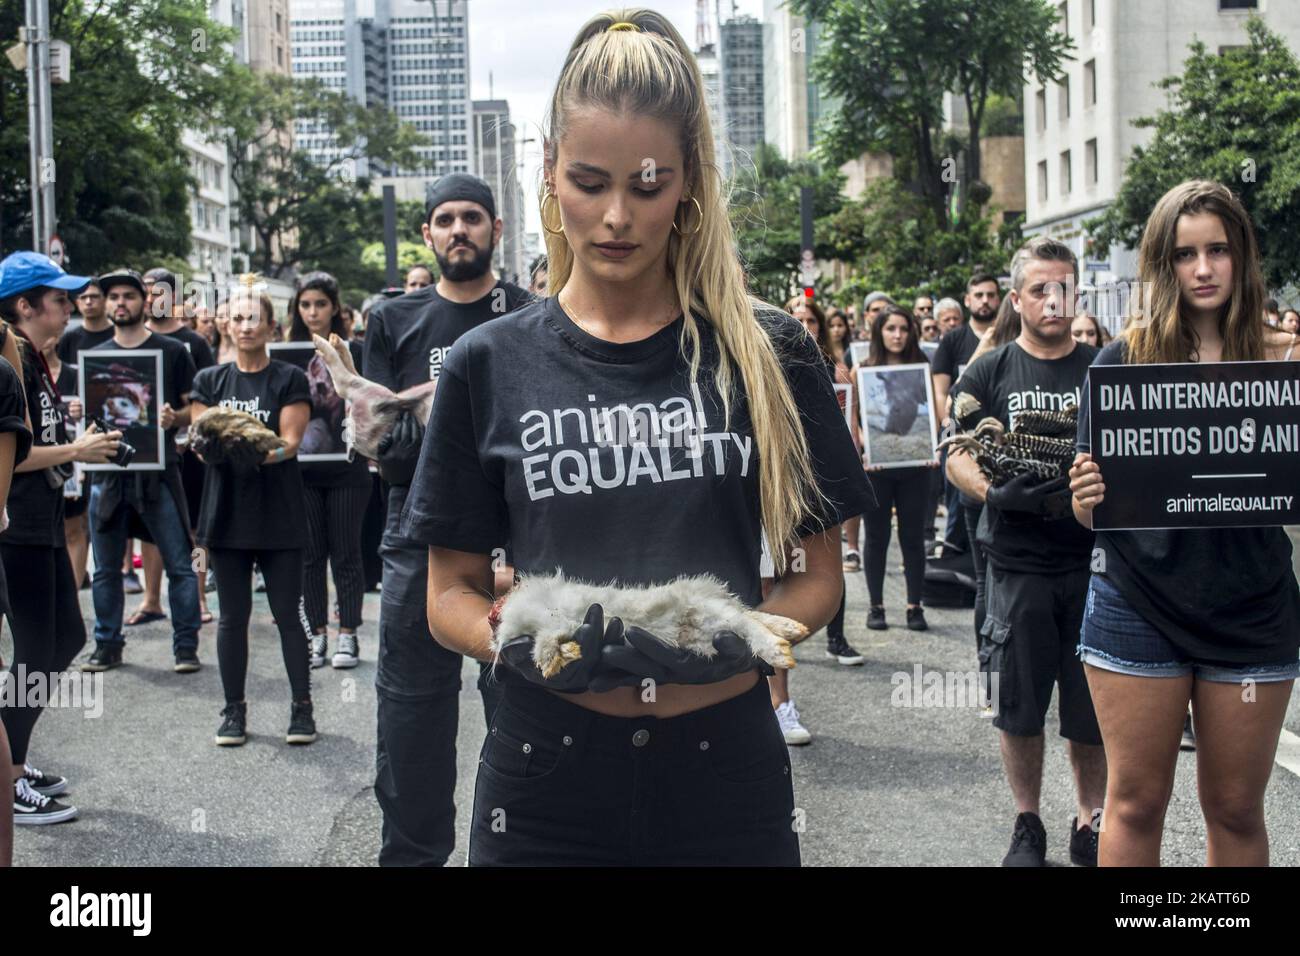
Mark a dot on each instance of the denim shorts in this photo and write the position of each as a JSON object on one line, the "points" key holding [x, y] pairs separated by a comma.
{"points": [[1116, 638]]}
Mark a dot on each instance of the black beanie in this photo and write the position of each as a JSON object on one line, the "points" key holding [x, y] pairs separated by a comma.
{"points": [[458, 186]]}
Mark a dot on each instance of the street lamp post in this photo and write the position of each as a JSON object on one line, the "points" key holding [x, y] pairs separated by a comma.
{"points": [[40, 122]]}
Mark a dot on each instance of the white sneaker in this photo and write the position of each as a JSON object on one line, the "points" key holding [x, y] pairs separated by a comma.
{"points": [[347, 654], [796, 734]]}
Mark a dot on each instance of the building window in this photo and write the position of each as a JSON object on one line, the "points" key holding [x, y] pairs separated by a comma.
{"points": [[279, 56], [279, 24], [1090, 84], [1067, 176], [1065, 97], [1064, 11], [1090, 162], [1089, 15], [1042, 181], [1238, 4], [1040, 101]]}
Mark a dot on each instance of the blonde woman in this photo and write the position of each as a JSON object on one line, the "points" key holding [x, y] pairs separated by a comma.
{"points": [[1155, 636], [633, 754]]}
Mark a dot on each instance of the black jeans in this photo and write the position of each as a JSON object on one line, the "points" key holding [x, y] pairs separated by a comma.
{"points": [[907, 490], [282, 571], [417, 685], [972, 516], [560, 785], [46, 623]]}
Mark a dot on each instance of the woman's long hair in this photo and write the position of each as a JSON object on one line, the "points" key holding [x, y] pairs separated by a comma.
{"points": [[1157, 330], [879, 355], [651, 72], [321, 282], [823, 335], [1006, 325]]}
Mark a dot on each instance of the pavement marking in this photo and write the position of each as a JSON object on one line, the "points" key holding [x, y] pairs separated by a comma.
{"points": [[1288, 751]]}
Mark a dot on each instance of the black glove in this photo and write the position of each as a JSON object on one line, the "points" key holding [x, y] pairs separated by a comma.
{"points": [[591, 637], [399, 450], [644, 655], [1028, 493]]}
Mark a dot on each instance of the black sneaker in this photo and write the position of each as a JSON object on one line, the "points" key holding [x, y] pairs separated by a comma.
{"points": [[33, 809], [105, 657], [1028, 842], [1083, 844], [916, 619], [876, 619], [1189, 738], [837, 648], [187, 661], [302, 727], [348, 653], [319, 648], [46, 784], [234, 722]]}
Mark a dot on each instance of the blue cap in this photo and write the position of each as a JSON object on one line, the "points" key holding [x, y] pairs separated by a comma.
{"points": [[27, 270]]}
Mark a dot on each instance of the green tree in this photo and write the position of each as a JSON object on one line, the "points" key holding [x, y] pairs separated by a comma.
{"points": [[301, 211], [142, 71], [890, 62], [1234, 118], [765, 214]]}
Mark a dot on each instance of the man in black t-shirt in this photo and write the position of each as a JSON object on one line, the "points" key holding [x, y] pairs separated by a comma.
{"points": [[164, 309], [955, 350], [1038, 558], [418, 680], [151, 498], [94, 329]]}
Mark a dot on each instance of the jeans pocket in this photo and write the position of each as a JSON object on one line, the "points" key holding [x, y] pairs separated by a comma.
{"points": [[517, 750], [746, 761], [997, 662]]}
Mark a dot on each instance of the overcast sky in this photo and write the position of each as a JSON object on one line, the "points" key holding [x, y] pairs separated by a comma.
{"points": [[521, 45]]}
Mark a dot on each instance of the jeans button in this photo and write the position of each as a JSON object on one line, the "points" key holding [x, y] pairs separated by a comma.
{"points": [[528, 748], [568, 741], [704, 745], [640, 738]]}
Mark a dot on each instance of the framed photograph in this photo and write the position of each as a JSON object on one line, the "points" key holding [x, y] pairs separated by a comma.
{"points": [[858, 352], [325, 438], [843, 393], [123, 388], [896, 403]]}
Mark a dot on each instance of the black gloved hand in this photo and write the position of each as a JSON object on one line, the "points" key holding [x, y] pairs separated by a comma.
{"points": [[1028, 493], [399, 450], [644, 655], [591, 637]]}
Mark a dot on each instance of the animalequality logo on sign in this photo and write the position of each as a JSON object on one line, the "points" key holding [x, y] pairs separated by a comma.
{"points": [[1196, 445]]}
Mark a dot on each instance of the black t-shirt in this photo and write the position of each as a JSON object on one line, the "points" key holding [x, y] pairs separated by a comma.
{"points": [[340, 474], [35, 505], [1005, 381], [264, 508], [78, 340], [1223, 595], [178, 379], [13, 405], [588, 467], [67, 380], [407, 338], [198, 347], [955, 349]]}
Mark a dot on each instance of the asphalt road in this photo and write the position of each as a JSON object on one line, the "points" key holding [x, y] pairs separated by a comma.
{"points": [[879, 785]]}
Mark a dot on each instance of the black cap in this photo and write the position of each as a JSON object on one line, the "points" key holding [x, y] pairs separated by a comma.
{"points": [[120, 277], [458, 186]]}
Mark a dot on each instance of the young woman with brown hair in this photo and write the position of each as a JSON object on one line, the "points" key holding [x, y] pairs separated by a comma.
{"points": [[1206, 615]]}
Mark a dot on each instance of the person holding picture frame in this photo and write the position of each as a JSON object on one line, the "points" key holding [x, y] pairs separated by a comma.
{"points": [[895, 340]]}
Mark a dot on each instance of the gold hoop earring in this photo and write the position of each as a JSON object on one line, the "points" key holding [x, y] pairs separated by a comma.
{"points": [[554, 232], [700, 226]]}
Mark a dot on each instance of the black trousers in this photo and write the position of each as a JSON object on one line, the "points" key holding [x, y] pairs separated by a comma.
{"points": [[334, 517], [907, 490], [560, 785], [45, 618], [282, 571], [972, 516]]}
